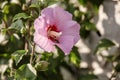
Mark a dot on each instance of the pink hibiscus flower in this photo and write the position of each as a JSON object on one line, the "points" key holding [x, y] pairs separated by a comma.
{"points": [[56, 27]]}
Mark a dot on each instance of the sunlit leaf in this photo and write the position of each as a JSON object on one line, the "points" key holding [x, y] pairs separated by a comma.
{"points": [[21, 15], [78, 13], [6, 9], [104, 44], [26, 72], [18, 55], [75, 57]]}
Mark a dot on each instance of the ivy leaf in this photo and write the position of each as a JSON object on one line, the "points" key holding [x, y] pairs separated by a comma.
{"points": [[74, 57], [104, 44], [20, 15], [26, 72], [17, 25], [18, 55]]}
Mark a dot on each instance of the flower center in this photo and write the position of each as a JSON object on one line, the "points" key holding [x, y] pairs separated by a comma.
{"points": [[53, 33]]}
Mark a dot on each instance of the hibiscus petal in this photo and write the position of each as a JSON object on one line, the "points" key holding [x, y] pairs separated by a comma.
{"points": [[48, 15], [39, 25], [66, 43], [43, 42], [61, 16], [74, 31], [70, 28]]}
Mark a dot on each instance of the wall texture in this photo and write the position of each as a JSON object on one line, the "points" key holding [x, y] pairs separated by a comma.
{"points": [[108, 23]]}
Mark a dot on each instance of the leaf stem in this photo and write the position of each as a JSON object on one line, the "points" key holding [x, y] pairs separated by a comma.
{"points": [[32, 54], [5, 23]]}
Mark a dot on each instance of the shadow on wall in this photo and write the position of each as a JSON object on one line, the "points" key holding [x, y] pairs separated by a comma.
{"points": [[112, 25], [108, 24]]}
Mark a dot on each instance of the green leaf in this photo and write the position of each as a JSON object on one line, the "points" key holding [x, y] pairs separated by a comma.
{"points": [[6, 9], [4, 30], [110, 58], [15, 43], [90, 26], [12, 9], [83, 2], [26, 72], [96, 3], [1, 16], [21, 15], [104, 44], [83, 32], [18, 55], [34, 6], [10, 78], [42, 66], [88, 77], [117, 67], [22, 1], [17, 25], [75, 57]]}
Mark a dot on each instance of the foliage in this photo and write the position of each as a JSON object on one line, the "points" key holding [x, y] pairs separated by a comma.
{"points": [[17, 20], [103, 45]]}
